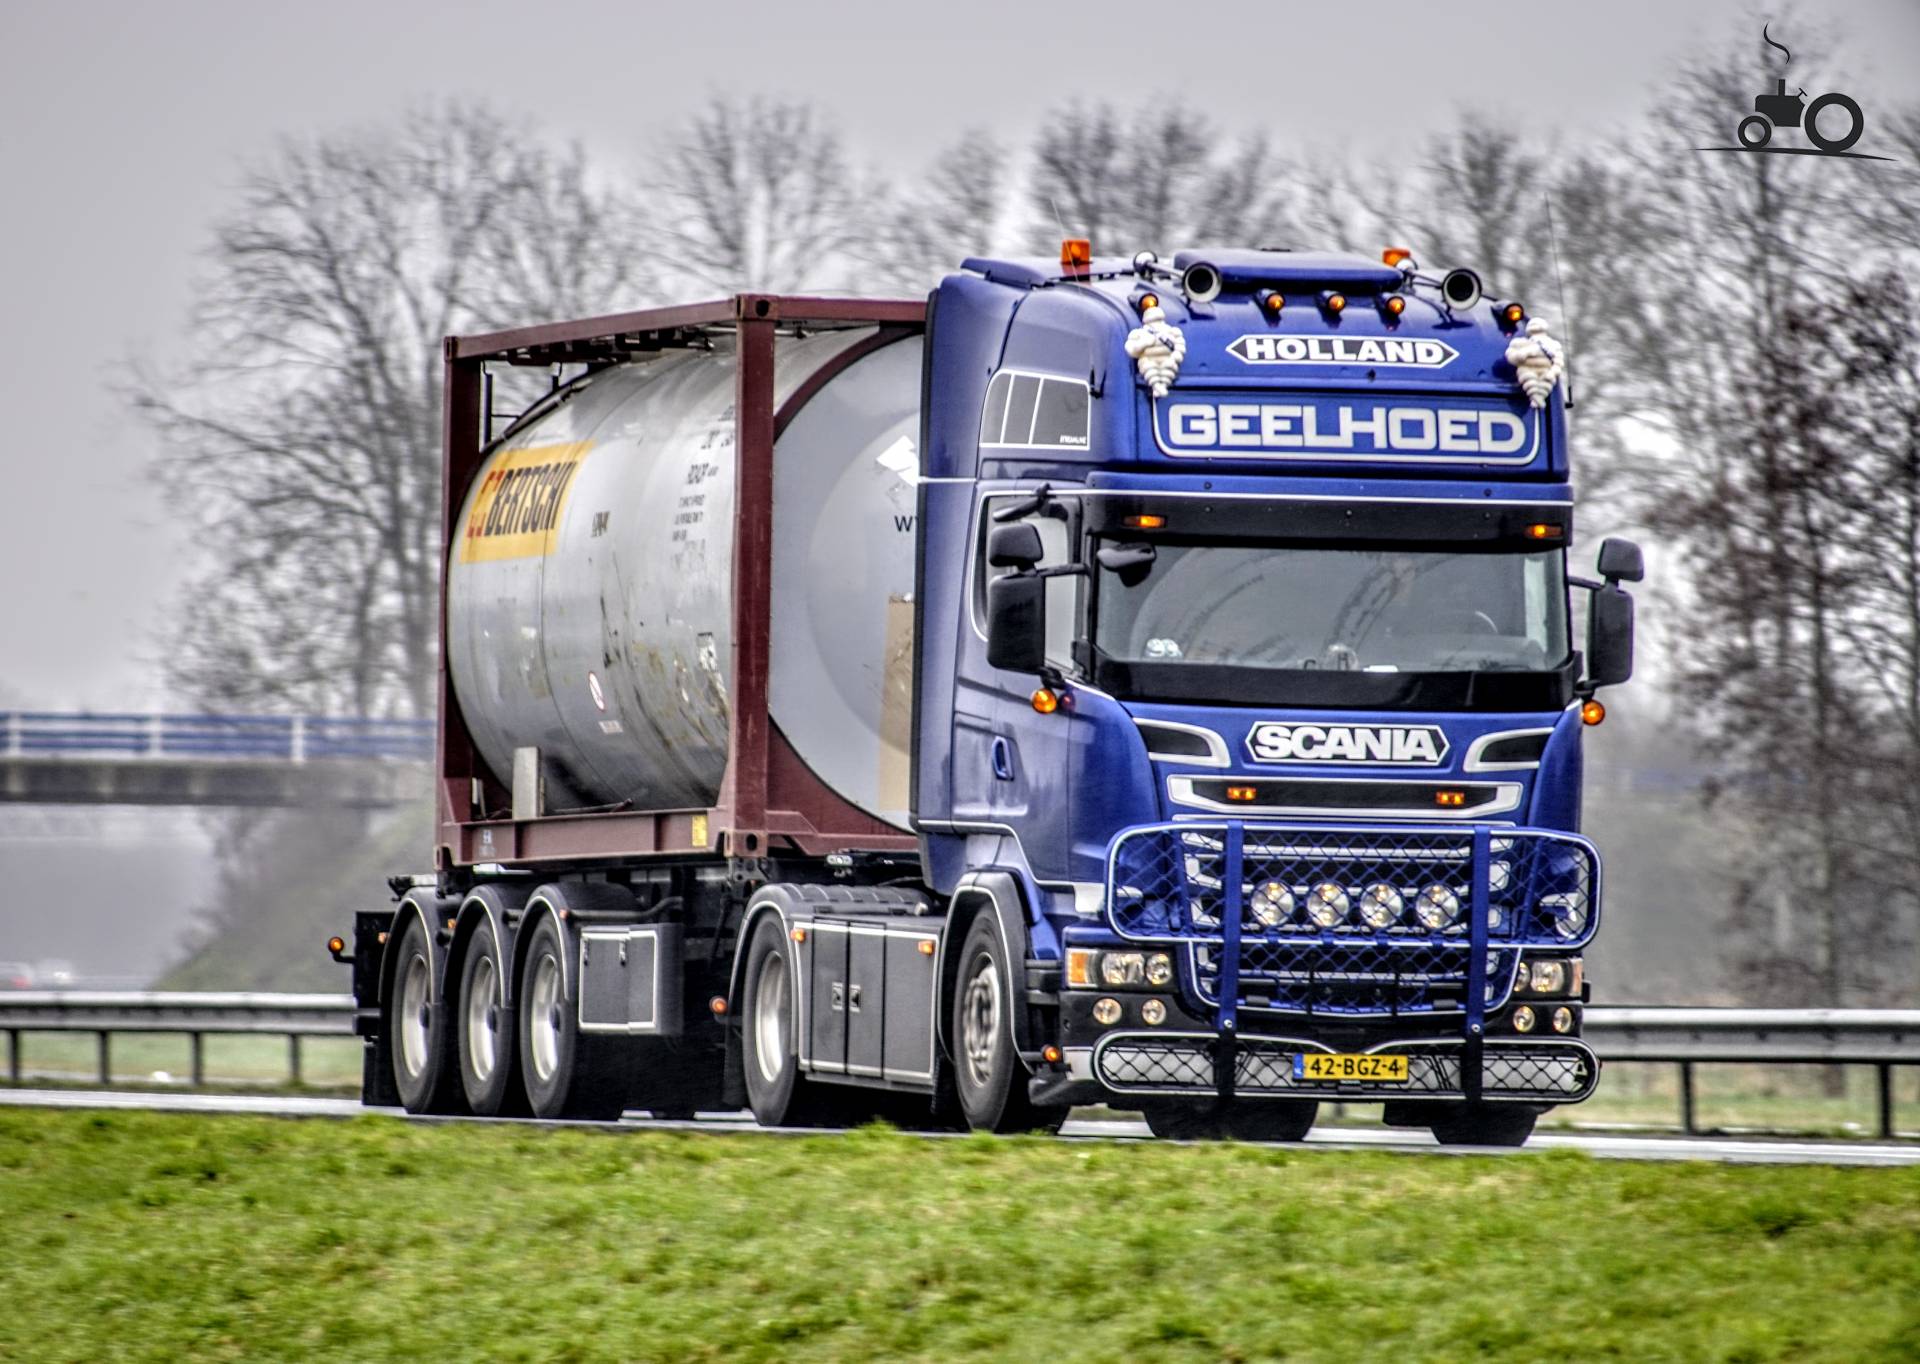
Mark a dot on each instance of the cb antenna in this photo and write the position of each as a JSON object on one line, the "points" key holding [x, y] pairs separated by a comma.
{"points": [[1560, 293]]}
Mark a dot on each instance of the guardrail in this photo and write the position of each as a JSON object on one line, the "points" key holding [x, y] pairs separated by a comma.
{"points": [[1683, 1037], [280, 738]]}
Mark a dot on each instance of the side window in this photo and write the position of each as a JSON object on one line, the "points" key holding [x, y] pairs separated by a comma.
{"points": [[1032, 411], [1064, 594]]}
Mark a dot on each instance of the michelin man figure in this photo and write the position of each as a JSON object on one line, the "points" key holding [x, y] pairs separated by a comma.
{"points": [[1538, 360], [1157, 347]]}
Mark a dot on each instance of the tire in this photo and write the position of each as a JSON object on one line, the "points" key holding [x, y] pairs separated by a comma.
{"points": [[778, 1094], [419, 1027], [1484, 1125], [1243, 1120], [1811, 122], [485, 1037], [989, 1079], [1755, 131], [566, 1073]]}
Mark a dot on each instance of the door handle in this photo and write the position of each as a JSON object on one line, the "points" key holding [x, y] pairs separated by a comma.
{"points": [[853, 999], [839, 1002], [1002, 758]]}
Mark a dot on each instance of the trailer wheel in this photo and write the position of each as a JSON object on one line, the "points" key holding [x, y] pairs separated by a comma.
{"points": [[419, 1030], [1244, 1120], [1484, 1125], [488, 1054], [568, 1074], [989, 1079]]}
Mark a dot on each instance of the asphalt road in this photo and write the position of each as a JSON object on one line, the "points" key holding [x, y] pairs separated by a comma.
{"points": [[1751, 1151]]}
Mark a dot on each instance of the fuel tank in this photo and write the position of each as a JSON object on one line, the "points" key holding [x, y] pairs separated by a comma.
{"points": [[589, 588]]}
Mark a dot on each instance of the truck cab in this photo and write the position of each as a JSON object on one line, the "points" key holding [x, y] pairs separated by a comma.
{"points": [[1258, 693]]}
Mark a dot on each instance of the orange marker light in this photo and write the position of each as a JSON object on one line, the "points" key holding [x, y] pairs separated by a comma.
{"points": [[1592, 712], [1147, 301], [1395, 304], [1145, 521], [1334, 303], [1450, 800], [1272, 301], [1076, 254], [926, 947], [718, 1006], [1545, 530], [1513, 314], [1243, 793], [1393, 255], [336, 945], [798, 935], [1046, 700], [1050, 1054]]}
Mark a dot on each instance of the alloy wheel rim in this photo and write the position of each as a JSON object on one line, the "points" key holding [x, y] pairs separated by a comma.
{"points": [[482, 1044], [770, 1019], [545, 1011], [414, 987]]}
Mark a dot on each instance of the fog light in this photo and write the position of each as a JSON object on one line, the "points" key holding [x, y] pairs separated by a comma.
{"points": [[1159, 969], [1563, 1019], [1327, 905], [1381, 906], [1272, 904], [1153, 1013], [1524, 1019], [1437, 907], [1106, 1012]]}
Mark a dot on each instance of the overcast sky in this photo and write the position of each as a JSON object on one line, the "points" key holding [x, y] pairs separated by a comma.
{"points": [[121, 127]]}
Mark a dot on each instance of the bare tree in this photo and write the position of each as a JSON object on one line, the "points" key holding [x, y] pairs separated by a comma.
{"points": [[300, 433], [957, 207], [758, 195], [1155, 178]]}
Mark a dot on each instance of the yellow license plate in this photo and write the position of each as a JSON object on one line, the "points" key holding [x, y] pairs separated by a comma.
{"points": [[1336, 1066]]}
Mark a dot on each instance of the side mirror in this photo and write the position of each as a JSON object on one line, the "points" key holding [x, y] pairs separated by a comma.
{"points": [[1017, 618], [1015, 546], [1610, 632], [1621, 561]]}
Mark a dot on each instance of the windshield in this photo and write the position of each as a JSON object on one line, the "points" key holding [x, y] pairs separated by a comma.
{"points": [[1375, 609]]}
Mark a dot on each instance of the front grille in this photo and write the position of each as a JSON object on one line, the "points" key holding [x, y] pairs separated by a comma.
{"points": [[1553, 1072], [1353, 922]]}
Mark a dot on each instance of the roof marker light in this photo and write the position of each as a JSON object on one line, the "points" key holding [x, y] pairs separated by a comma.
{"points": [[1396, 255], [1271, 302], [1146, 301], [1076, 255], [1512, 315], [1333, 302], [1545, 530], [1393, 305]]}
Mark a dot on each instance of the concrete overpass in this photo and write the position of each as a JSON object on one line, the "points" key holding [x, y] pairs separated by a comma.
{"points": [[49, 758]]}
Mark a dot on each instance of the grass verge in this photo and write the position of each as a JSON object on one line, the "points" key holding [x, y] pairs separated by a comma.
{"points": [[150, 1236]]}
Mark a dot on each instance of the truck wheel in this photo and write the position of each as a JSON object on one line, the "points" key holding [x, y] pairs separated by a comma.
{"points": [[419, 1030], [778, 1094], [567, 1074], [1484, 1125], [489, 1059], [1245, 1120], [989, 1079]]}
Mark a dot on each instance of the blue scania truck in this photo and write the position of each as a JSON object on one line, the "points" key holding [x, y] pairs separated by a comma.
{"points": [[1110, 681]]}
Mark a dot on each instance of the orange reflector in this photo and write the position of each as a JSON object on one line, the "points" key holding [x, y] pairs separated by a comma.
{"points": [[1545, 530], [336, 945], [718, 1005], [1393, 255], [799, 935], [383, 939], [1334, 303], [1144, 522], [1050, 1054], [1076, 253], [926, 947], [1592, 712], [1395, 304], [1046, 700], [1243, 793], [1451, 800]]}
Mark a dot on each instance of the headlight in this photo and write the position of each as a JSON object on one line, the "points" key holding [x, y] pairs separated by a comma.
{"points": [[1328, 905], [1153, 1013], [1272, 904], [1547, 977], [1524, 1019], [1159, 969], [1123, 968], [1563, 1019], [1106, 1012], [1437, 907], [1569, 912], [1381, 906]]}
